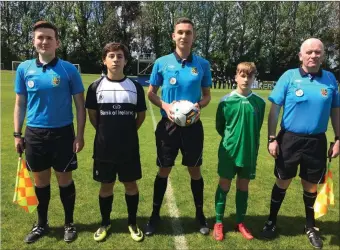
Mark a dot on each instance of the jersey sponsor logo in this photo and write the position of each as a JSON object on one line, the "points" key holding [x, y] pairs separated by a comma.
{"points": [[55, 81], [116, 106], [30, 84], [297, 80], [31, 72], [173, 80], [101, 97], [324, 92], [194, 71], [171, 66]]}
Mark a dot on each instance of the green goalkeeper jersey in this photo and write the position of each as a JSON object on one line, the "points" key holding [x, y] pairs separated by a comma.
{"points": [[239, 120]]}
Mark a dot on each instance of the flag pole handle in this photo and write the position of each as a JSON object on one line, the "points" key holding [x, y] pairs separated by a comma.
{"points": [[330, 151], [17, 180]]}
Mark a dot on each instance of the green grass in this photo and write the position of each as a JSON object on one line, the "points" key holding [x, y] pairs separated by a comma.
{"points": [[15, 223]]}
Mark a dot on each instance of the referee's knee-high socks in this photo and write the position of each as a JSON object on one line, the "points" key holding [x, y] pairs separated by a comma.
{"points": [[132, 207], [158, 193], [278, 194], [105, 205], [43, 195], [309, 200], [197, 187], [68, 198]]}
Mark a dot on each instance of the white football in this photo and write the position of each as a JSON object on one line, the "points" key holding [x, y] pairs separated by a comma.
{"points": [[185, 113]]}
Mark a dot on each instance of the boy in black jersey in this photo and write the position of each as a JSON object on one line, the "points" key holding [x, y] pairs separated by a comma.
{"points": [[116, 108]]}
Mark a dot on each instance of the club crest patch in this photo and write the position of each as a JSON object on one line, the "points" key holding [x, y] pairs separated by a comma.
{"points": [[194, 71], [324, 92], [55, 81]]}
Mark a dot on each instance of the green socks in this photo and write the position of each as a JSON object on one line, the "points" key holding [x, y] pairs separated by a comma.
{"points": [[220, 200], [241, 205]]}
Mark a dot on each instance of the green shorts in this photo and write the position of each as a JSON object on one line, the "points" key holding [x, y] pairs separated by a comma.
{"points": [[227, 168]]}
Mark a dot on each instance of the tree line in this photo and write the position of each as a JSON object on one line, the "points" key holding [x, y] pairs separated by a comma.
{"points": [[268, 33]]}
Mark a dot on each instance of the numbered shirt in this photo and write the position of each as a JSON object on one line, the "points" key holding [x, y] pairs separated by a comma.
{"points": [[48, 89], [307, 100], [181, 80], [116, 103]]}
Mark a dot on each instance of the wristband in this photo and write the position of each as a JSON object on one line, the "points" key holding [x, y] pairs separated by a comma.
{"points": [[336, 138], [271, 139], [17, 134]]}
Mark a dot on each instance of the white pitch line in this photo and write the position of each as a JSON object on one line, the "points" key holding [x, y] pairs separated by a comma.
{"points": [[180, 241]]}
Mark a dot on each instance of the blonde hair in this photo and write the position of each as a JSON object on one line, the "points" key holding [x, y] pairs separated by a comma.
{"points": [[248, 68]]}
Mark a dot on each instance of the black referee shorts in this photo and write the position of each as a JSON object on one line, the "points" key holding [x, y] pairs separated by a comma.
{"points": [[171, 137], [308, 151], [50, 147]]}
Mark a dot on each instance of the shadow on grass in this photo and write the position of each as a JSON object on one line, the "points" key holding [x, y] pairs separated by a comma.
{"points": [[286, 225]]}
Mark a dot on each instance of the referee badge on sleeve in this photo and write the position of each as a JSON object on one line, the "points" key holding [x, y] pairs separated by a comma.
{"points": [[299, 92]]}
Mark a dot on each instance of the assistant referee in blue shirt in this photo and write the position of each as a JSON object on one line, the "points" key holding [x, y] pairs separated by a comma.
{"points": [[44, 89], [309, 96]]}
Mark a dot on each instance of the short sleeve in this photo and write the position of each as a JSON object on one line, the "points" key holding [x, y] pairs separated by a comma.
{"points": [[156, 77], [336, 96], [206, 80], [91, 97], [19, 85], [76, 82], [278, 94], [141, 104]]}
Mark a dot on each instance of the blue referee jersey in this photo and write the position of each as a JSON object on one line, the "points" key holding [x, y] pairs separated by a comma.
{"points": [[48, 89], [307, 100], [181, 79]]}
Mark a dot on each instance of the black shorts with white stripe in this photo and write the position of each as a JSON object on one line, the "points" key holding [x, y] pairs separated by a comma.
{"points": [[50, 147]]}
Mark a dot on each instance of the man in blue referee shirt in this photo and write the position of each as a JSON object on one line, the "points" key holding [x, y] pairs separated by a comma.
{"points": [[309, 96], [44, 88], [182, 76]]}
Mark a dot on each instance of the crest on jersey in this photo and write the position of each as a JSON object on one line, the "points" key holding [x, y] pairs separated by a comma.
{"points": [[55, 81], [324, 92], [194, 71]]}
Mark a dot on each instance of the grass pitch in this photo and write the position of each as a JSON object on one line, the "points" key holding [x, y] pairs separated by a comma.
{"points": [[15, 223]]}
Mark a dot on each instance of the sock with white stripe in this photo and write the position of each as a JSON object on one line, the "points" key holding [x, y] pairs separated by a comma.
{"points": [[278, 194]]}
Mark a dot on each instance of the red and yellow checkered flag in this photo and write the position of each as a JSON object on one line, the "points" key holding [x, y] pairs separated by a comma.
{"points": [[326, 195], [24, 194]]}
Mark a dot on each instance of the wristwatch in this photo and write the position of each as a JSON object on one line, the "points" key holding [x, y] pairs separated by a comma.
{"points": [[17, 134], [271, 139]]}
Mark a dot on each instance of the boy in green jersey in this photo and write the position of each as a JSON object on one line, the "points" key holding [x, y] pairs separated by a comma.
{"points": [[239, 120]]}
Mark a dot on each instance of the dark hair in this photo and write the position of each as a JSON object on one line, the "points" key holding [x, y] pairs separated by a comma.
{"points": [[110, 47], [45, 24], [183, 20]]}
